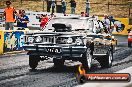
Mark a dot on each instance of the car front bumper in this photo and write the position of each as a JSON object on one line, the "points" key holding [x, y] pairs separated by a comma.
{"points": [[57, 51]]}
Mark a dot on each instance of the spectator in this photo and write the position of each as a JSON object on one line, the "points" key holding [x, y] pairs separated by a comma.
{"points": [[9, 14], [83, 14], [40, 17], [73, 6], [63, 6], [106, 22], [49, 2], [23, 20], [18, 18], [86, 14], [101, 27], [53, 6], [111, 24], [44, 21]]}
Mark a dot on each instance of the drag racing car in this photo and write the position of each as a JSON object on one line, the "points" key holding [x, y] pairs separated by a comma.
{"points": [[69, 38]]}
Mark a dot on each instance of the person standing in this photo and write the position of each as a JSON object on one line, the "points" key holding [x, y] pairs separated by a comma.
{"points": [[49, 2], [73, 6], [111, 24], [106, 23], [44, 21], [63, 6], [53, 6], [18, 18], [9, 14], [22, 20]]}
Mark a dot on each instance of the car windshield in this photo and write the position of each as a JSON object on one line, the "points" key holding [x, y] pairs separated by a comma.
{"points": [[95, 36], [75, 23]]}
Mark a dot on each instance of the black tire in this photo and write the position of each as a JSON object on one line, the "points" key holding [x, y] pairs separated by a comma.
{"points": [[58, 62], [129, 44], [106, 61], [87, 60], [33, 61]]}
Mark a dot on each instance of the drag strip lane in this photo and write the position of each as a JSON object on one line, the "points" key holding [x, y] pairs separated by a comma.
{"points": [[46, 74]]}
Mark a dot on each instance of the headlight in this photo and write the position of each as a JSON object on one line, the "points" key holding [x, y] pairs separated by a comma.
{"points": [[38, 39], [79, 41], [30, 39], [69, 40], [112, 37]]}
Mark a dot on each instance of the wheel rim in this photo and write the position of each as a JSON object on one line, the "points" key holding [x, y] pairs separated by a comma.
{"points": [[110, 58], [89, 58]]}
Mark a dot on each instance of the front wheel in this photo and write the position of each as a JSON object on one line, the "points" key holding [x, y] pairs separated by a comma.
{"points": [[87, 59], [33, 61], [58, 62]]}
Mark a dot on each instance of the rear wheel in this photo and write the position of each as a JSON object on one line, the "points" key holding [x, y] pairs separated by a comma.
{"points": [[33, 61], [87, 59], [114, 48], [106, 61], [129, 44], [58, 62]]}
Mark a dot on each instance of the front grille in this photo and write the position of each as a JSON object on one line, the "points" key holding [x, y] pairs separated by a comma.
{"points": [[48, 39]]}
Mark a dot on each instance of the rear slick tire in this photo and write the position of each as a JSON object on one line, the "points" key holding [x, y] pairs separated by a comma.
{"points": [[129, 44], [106, 61], [58, 63]]}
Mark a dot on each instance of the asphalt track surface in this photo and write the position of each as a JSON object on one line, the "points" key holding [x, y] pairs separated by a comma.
{"points": [[15, 72]]}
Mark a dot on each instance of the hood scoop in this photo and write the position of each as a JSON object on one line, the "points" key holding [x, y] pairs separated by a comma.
{"points": [[59, 27]]}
